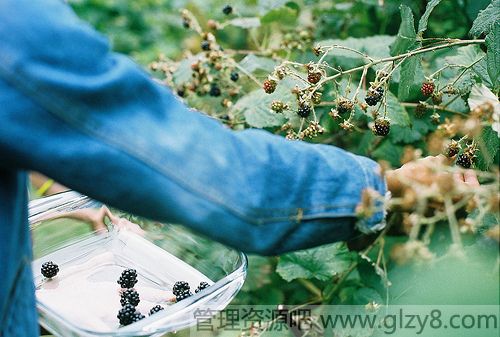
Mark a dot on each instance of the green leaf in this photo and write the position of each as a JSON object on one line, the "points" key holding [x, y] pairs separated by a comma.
{"points": [[320, 263], [396, 112], [251, 63], [486, 19], [422, 24], [488, 144], [285, 15], [411, 76], [407, 38], [413, 133], [493, 53], [389, 152]]}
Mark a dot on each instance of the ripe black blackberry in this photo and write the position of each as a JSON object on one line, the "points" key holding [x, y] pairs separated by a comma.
{"points": [[381, 127], [304, 110], [130, 296], [465, 160], [128, 278], [437, 98], [420, 110], [155, 309], [180, 287], [181, 92], [269, 86], [373, 96], [205, 45], [234, 76], [49, 269], [126, 314], [183, 295], [227, 9], [186, 24], [203, 285], [427, 88], [214, 90]]}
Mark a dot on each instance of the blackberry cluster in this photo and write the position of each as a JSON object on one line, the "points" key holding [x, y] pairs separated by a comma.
{"points": [[49, 269], [304, 110], [181, 290], [269, 86], [427, 88], [374, 96], [128, 278], [155, 309], [203, 285], [381, 127], [130, 296]]}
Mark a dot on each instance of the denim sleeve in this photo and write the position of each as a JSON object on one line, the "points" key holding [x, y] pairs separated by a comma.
{"points": [[94, 121]]}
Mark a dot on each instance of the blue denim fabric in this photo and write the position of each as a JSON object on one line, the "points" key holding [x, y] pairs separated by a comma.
{"points": [[94, 121]]}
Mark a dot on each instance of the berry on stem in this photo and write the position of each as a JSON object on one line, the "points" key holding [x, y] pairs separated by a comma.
{"points": [[344, 105], [427, 88], [313, 77], [269, 86], [49, 269], [452, 149], [465, 160], [214, 90], [234, 76], [228, 9], [128, 278], [205, 45], [381, 127], [304, 110], [373, 96]]}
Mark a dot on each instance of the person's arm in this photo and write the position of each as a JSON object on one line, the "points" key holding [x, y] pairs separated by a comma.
{"points": [[93, 121]]}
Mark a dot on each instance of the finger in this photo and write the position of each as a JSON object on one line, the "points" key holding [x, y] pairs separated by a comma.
{"points": [[470, 178], [458, 177]]}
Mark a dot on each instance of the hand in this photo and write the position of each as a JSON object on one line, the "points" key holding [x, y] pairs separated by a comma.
{"points": [[427, 171]]}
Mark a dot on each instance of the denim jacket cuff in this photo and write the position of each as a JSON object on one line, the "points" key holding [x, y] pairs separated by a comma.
{"points": [[372, 220]]}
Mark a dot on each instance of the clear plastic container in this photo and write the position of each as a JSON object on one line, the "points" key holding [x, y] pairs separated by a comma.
{"points": [[92, 246]]}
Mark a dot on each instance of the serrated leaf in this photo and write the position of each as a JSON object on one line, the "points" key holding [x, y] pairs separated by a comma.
{"points": [[320, 263], [481, 70], [493, 53], [251, 63], [245, 22], [364, 296], [396, 112], [486, 19], [407, 38], [410, 134], [489, 144], [411, 75], [422, 24]]}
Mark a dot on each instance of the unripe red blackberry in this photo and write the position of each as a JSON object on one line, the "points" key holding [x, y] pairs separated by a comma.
{"points": [[313, 77], [427, 88], [269, 86], [304, 110], [381, 127]]}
